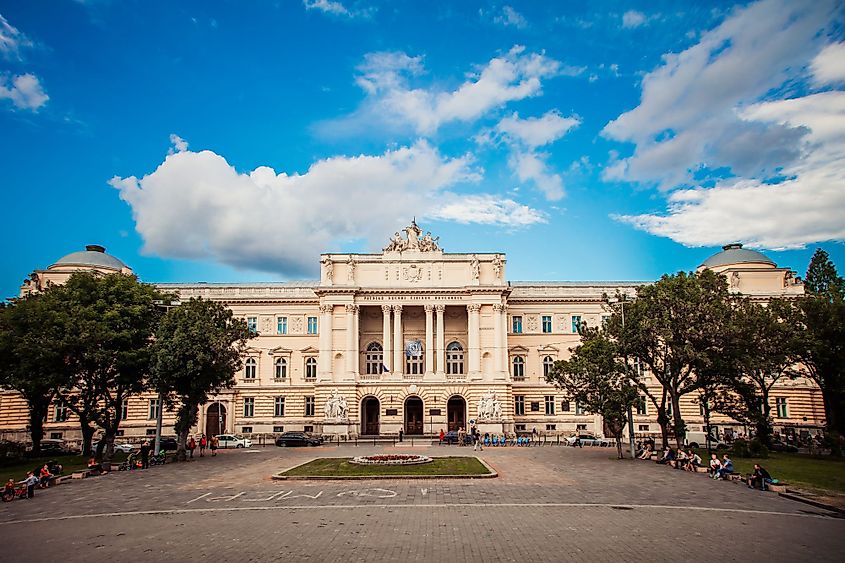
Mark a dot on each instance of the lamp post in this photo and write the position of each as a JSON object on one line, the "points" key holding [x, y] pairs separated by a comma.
{"points": [[621, 302]]}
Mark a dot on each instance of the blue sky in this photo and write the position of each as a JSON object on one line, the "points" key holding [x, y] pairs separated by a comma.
{"points": [[234, 141]]}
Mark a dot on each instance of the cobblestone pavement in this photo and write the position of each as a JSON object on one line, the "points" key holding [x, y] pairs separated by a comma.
{"points": [[548, 504]]}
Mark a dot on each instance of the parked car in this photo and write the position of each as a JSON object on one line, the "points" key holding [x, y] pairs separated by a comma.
{"points": [[165, 444], [125, 448], [588, 440], [52, 446], [233, 441], [699, 440], [298, 439], [779, 446]]}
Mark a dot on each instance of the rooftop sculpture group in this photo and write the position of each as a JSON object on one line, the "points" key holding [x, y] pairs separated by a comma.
{"points": [[414, 240]]}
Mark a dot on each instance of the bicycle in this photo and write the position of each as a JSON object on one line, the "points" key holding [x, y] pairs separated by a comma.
{"points": [[11, 493]]}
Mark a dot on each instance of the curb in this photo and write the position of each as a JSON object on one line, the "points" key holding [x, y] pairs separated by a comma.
{"points": [[281, 477], [817, 504]]}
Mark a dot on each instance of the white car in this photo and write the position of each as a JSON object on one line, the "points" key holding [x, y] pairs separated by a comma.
{"points": [[233, 441], [125, 448], [588, 440]]}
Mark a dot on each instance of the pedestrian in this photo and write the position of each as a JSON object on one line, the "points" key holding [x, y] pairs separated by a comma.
{"points": [[401, 434], [192, 444], [145, 455], [203, 444], [534, 434], [442, 436], [476, 440], [30, 481], [461, 436], [214, 444]]}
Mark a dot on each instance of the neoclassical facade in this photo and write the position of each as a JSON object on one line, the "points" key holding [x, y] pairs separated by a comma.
{"points": [[415, 339]]}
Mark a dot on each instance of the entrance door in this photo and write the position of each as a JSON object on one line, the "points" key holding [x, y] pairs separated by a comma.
{"points": [[215, 419], [456, 410], [413, 415], [370, 417]]}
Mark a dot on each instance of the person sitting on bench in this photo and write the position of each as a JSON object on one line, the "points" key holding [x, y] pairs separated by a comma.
{"points": [[646, 452], [668, 457], [727, 468], [693, 461], [715, 466], [759, 479]]}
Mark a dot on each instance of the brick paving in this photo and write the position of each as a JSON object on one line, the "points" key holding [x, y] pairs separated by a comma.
{"points": [[549, 504]]}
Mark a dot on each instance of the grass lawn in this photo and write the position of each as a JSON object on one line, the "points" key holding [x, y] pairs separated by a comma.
{"points": [[340, 467], [71, 463], [800, 470]]}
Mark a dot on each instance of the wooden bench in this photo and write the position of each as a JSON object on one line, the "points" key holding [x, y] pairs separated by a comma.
{"points": [[700, 469], [778, 488]]}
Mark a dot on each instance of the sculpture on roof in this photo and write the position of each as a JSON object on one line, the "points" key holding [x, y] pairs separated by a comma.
{"points": [[329, 268], [413, 240]]}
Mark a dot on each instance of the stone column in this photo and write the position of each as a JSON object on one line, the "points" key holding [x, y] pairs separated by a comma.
{"points": [[429, 340], [351, 340], [503, 350], [385, 335], [356, 359], [497, 340], [441, 341], [324, 362], [398, 367], [473, 337]]}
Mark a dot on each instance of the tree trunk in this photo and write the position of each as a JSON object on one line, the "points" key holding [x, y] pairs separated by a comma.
{"points": [[764, 425], [37, 414], [663, 422], [87, 436], [678, 421], [105, 449], [706, 406], [186, 419]]}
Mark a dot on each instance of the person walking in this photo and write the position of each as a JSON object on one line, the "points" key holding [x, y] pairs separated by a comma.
{"points": [[30, 482], [145, 455], [478, 445], [203, 444], [214, 444], [442, 436], [192, 444]]}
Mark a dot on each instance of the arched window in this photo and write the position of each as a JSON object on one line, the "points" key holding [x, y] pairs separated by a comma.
{"points": [[518, 367], [414, 364], [281, 368], [375, 358], [454, 359], [548, 363], [311, 369], [250, 368]]}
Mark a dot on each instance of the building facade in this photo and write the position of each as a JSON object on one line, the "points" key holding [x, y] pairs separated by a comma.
{"points": [[415, 339]]}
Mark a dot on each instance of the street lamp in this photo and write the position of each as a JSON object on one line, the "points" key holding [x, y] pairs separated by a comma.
{"points": [[621, 301]]}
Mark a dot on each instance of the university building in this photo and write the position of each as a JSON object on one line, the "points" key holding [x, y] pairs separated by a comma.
{"points": [[414, 339]]}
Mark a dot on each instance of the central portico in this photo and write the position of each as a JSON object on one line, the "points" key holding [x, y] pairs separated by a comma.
{"points": [[418, 324]]}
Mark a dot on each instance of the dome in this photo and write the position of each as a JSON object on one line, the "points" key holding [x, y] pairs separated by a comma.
{"points": [[735, 254], [95, 256]]}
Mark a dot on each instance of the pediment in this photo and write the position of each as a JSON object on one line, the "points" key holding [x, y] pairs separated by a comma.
{"points": [[310, 350], [518, 349], [280, 351]]}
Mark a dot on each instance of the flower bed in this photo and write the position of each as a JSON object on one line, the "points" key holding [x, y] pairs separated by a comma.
{"points": [[390, 459]]}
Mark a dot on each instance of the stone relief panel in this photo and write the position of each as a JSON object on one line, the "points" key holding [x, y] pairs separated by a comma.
{"points": [[560, 323], [531, 323], [296, 325]]}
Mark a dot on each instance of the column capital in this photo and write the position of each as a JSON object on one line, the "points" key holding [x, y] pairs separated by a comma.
{"points": [[473, 308], [326, 308], [386, 309], [351, 308], [498, 307], [429, 308], [440, 308], [397, 308]]}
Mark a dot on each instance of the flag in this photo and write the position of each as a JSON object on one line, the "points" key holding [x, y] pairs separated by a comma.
{"points": [[385, 369]]}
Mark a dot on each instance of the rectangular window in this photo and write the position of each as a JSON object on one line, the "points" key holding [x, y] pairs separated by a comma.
{"points": [[641, 406], [309, 406], [279, 409], [124, 409], [61, 413], [644, 428], [312, 325], [246, 429], [150, 432], [516, 324], [550, 404], [547, 323], [55, 435], [249, 407], [535, 406], [669, 410], [780, 403], [519, 427], [579, 408], [580, 427], [252, 324], [154, 409], [604, 320], [576, 322], [307, 428], [551, 427], [519, 405], [281, 325], [564, 406], [701, 404], [278, 429]]}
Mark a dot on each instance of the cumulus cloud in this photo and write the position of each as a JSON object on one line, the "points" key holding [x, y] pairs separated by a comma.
{"points": [[337, 8], [385, 78], [532, 166], [829, 65], [537, 131], [688, 109], [24, 91], [511, 18], [633, 18], [196, 205], [179, 144], [12, 40]]}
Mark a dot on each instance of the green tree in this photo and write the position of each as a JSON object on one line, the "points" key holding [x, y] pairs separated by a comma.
{"points": [[596, 377], [197, 352], [31, 359], [108, 335], [669, 327], [822, 350]]}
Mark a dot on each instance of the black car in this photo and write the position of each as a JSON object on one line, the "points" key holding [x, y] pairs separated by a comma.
{"points": [[297, 439], [778, 446]]}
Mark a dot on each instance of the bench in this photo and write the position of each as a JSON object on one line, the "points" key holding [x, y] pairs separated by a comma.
{"points": [[778, 488], [701, 469]]}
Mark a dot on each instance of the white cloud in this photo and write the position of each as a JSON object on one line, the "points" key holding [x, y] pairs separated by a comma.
{"points": [[687, 118], [196, 205], [24, 90], [532, 166], [537, 131], [513, 76], [510, 17], [179, 144], [337, 9], [488, 210], [633, 18], [11, 39], [829, 65]]}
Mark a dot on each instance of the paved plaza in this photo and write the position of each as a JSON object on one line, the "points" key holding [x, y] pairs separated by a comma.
{"points": [[548, 504]]}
